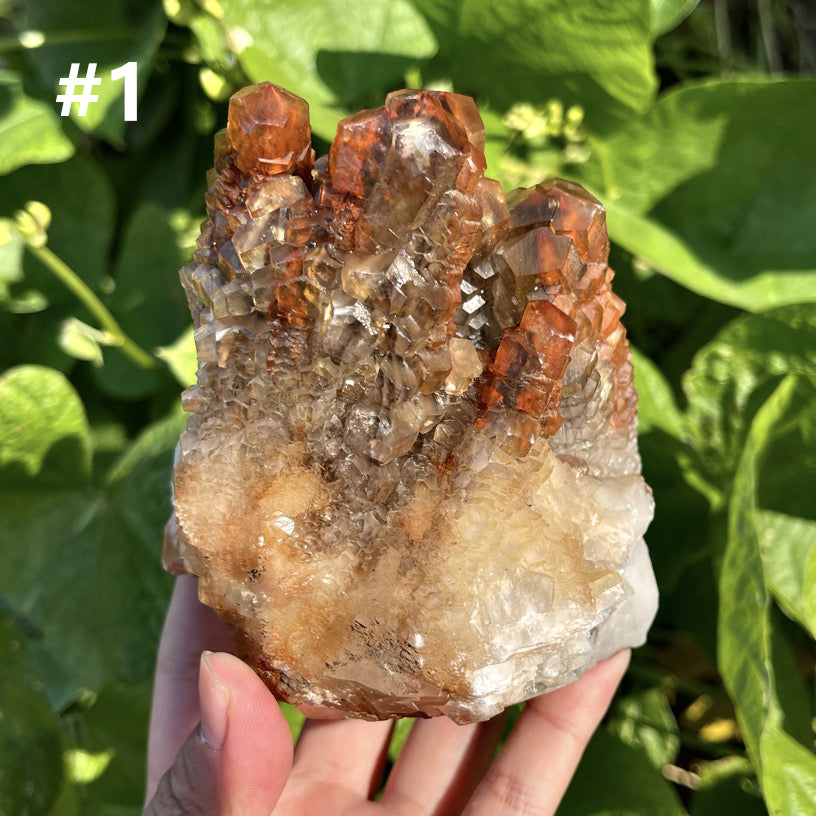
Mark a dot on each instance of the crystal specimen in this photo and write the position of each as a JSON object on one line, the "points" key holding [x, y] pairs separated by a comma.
{"points": [[410, 479]]}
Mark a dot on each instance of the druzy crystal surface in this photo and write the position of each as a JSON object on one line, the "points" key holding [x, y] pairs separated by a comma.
{"points": [[410, 479]]}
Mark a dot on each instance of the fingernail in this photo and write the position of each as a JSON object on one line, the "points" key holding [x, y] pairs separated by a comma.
{"points": [[215, 701]]}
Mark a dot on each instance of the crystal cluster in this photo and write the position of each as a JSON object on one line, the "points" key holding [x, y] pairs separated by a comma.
{"points": [[410, 479]]}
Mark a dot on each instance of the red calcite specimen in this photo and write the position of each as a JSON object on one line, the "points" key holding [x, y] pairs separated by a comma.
{"points": [[410, 478]]}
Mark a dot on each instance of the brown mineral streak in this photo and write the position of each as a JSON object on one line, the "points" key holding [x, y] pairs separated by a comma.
{"points": [[411, 405]]}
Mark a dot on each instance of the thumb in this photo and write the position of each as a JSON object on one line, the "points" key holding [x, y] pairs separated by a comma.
{"points": [[238, 759]]}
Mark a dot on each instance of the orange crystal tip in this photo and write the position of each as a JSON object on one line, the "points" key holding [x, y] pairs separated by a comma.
{"points": [[269, 131], [569, 210], [456, 111], [363, 140], [358, 148]]}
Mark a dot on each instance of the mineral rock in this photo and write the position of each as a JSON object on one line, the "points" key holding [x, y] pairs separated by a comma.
{"points": [[410, 479]]}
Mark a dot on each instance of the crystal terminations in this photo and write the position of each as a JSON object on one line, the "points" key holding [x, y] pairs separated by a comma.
{"points": [[410, 479]]}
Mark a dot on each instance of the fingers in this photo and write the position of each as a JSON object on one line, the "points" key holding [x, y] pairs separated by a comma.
{"points": [[238, 760], [190, 628], [440, 766], [537, 762], [256, 754], [338, 762]]}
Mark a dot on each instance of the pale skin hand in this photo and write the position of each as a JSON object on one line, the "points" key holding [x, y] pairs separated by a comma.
{"points": [[227, 746]]}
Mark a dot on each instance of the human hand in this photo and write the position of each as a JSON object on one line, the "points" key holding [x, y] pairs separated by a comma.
{"points": [[238, 760]]}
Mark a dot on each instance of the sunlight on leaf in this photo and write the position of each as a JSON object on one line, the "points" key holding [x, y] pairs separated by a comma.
{"points": [[181, 357], [43, 429], [329, 52], [656, 403], [84, 767], [82, 341], [527, 49], [667, 14], [678, 193], [30, 130], [645, 721]]}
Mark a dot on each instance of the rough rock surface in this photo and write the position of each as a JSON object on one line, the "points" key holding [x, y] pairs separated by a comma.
{"points": [[410, 479]]}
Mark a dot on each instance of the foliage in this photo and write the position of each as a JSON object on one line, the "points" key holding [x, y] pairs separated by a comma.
{"points": [[692, 122]]}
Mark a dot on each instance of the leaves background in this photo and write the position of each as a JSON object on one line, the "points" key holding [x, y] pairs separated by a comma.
{"points": [[693, 121]]}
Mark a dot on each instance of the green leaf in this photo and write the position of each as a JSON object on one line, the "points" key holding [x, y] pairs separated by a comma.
{"points": [[790, 775], [51, 585], [732, 375], [31, 773], [81, 201], [44, 437], [727, 786], [30, 130], [810, 591], [662, 249], [110, 36], [294, 718], [82, 341], [36, 339], [330, 53], [138, 496], [616, 780], [211, 38], [148, 301], [656, 403], [784, 488], [713, 194], [788, 549], [11, 264], [787, 771], [181, 357], [27, 301], [82, 545], [15, 299], [744, 627], [399, 736], [668, 14], [678, 505], [645, 722], [794, 688], [113, 733], [595, 55]]}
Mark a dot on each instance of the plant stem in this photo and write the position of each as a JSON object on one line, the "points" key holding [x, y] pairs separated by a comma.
{"points": [[723, 33], [766, 26], [94, 305]]}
